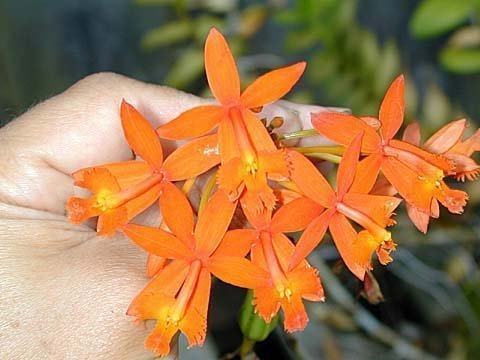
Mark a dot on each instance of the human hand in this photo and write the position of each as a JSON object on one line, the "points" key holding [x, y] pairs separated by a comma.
{"points": [[64, 291]]}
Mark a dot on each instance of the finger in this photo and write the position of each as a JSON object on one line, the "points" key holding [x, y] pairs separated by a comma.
{"points": [[78, 128]]}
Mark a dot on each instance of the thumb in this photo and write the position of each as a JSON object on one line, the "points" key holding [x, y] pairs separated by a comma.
{"points": [[78, 128]]}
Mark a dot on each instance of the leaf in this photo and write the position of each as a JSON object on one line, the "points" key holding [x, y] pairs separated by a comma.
{"points": [[435, 17], [167, 34], [461, 61], [187, 68]]}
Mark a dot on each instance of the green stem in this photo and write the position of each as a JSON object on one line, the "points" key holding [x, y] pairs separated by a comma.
{"points": [[246, 347], [334, 150], [298, 134], [207, 190], [327, 157]]}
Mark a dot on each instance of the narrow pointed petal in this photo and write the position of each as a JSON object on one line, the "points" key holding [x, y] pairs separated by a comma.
{"points": [[222, 73], [126, 173], [445, 138], [192, 123], [437, 160], [154, 265], [157, 241], [407, 182], [311, 237], [141, 136], [238, 271], [295, 216], [348, 166], [272, 86], [392, 109], [194, 324], [192, 159], [342, 128], [227, 142], [469, 146], [257, 132], [412, 134], [213, 222], [344, 235], [366, 174], [230, 178], [309, 180], [177, 212], [142, 202], [418, 218], [284, 249], [167, 283], [236, 243]]}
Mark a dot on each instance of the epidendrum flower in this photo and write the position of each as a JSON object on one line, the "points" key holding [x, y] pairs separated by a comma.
{"points": [[178, 296], [271, 251], [448, 141], [248, 154], [124, 189], [371, 212], [415, 173]]}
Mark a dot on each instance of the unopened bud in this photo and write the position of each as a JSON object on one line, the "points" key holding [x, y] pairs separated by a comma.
{"points": [[257, 109], [276, 122]]}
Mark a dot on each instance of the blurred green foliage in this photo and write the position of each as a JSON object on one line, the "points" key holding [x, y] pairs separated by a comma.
{"points": [[433, 18]]}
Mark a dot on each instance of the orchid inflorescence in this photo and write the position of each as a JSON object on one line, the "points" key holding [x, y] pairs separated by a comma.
{"points": [[279, 189]]}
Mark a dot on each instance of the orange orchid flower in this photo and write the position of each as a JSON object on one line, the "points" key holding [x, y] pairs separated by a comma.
{"points": [[447, 142], [416, 173], [371, 212], [178, 296], [272, 251], [124, 189], [248, 154]]}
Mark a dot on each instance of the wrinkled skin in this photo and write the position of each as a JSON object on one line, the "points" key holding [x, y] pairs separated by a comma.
{"points": [[64, 291]]}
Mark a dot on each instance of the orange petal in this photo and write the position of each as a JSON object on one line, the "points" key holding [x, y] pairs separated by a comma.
{"points": [[412, 134], [273, 85], [192, 123], [266, 301], [348, 165], [377, 207], [213, 222], [392, 109], [167, 283], [366, 174], [310, 181], [257, 132], [258, 201], [126, 173], [469, 146], [305, 281], [194, 323], [274, 162], [311, 237], [342, 128], [141, 136], [295, 315], [192, 159], [344, 235], [465, 167], [227, 142], [154, 264], [295, 216], [445, 138], [222, 73], [157, 241], [161, 337], [236, 243], [96, 179], [407, 183], [111, 220], [436, 160], [177, 212], [140, 203], [230, 178], [259, 220], [238, 271], [419, 218], [80, 209]]}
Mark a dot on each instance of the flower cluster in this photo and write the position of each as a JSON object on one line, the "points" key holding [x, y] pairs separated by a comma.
{"points": [[278, 189]]}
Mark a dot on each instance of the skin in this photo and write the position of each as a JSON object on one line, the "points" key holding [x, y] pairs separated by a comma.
{"points": [[64, 291]]}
